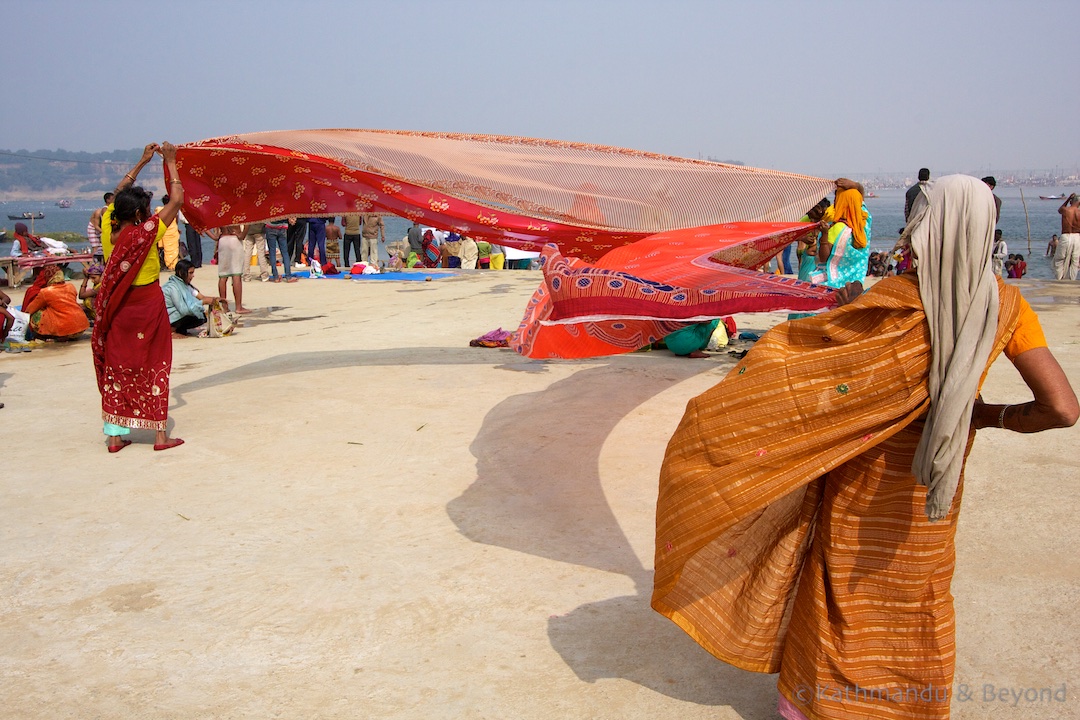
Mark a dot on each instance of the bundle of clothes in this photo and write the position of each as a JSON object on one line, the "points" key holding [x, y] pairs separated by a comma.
{"points": [[26, 243]]}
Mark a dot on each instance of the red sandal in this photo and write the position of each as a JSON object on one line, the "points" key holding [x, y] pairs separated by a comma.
{"points": [[117, 448], [174, 442]]}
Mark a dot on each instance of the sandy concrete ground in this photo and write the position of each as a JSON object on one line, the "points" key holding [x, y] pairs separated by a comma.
{"points": [[371, 519]]}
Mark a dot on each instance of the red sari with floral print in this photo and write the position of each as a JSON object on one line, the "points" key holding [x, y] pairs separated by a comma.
{"points": [[132, 339]]}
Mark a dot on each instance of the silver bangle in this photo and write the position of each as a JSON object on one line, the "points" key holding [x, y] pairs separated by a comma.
{"points": [[1001, 417]]}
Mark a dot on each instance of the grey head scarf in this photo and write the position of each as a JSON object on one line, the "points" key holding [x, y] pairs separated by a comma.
{"points": [[951, 233]]}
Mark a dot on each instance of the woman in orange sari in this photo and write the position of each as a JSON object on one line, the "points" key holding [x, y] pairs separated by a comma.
{"points": [[132, 338], [808, 503], [53, 306]]}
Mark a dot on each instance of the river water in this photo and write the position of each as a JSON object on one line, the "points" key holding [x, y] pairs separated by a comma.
{"points": [[887, 210]]}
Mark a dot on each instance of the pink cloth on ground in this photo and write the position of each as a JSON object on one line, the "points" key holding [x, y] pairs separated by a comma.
{"points": [[788, 711]]}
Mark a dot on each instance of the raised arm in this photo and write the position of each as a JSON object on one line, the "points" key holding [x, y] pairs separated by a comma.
{"points": [[176, 189], [1061, 210], [86, 291], [129, 177], [845, 184], [824, 246], [1054, 406]]}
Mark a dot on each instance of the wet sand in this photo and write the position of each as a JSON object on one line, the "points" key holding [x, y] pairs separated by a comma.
{"points": [[372, 519]]}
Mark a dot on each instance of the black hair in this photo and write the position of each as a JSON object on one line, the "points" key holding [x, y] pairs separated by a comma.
{"points": [[989, 180], [183, 267], [821, 206], [924, 174], [108, 196], [164, 199], [127, 203], [1020, 258]]}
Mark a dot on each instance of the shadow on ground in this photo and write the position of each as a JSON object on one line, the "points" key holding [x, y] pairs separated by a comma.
{"points": [[286, 364], [544, 498]]}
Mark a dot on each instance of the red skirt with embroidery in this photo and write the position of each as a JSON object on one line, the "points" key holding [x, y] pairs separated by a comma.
{"points": [[138, 360]]}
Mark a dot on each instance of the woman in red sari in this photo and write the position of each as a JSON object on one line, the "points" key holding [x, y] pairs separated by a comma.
{"points": [[132, 339]]}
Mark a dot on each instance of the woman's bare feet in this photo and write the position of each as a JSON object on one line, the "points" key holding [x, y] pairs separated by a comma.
{"points": [[242, 310]]}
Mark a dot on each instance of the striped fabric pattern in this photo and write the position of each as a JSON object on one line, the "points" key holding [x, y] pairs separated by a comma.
{"points": [[791, 536]]}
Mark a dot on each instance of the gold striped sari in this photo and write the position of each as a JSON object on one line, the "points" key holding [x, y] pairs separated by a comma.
{"points": [[791, 536]]}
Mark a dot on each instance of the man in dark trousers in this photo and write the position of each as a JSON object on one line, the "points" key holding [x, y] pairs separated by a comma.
{"points": [[193, 240], [295, 237]]}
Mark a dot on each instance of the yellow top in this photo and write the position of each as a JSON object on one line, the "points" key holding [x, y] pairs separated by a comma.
{"points": [[151, 267], [169, 242]]}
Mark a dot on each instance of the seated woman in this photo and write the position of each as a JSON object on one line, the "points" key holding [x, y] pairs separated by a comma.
{"points": [[90, 284], [183, 300], [7, 320], [25, 243], [692, 340], [53, 307]]}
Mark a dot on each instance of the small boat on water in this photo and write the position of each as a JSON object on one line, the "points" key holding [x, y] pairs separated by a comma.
{"points": [[28, 216], [1062, 196], [65, 203]]}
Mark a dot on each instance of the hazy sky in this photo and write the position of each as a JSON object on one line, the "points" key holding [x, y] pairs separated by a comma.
{"points": [[818, 87]]}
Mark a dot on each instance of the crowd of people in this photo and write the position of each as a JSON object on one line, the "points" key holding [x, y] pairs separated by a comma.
{"points": [[824, 260], [299, 244], [279, 246], [134, 317]]}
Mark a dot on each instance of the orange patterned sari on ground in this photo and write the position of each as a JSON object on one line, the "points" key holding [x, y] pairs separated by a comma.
{"points": [[791, 535]]}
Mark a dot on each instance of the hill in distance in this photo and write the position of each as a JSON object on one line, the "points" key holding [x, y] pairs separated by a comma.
{"points": [[55, 174]]}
